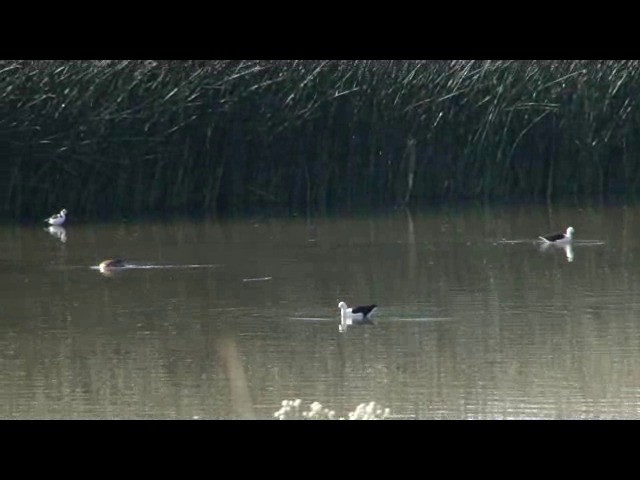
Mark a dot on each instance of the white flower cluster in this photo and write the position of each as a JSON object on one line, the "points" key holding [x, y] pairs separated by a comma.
{"points": [[290, 410], [316, 412], [365, 411], [369, 411]]}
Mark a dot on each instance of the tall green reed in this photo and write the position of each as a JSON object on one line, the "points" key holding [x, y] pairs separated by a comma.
{"points": [[134, 137]]}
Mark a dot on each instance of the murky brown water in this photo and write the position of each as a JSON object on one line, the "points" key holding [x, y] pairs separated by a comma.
{"points": [[475, 321]]}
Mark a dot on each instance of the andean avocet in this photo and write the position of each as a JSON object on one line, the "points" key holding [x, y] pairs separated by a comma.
{"points": [[363, 314], [58, 218], [559, 237]]}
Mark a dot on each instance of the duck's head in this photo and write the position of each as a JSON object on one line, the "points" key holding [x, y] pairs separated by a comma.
{"points": [[63, 212], [570, 231], [342, 306]]}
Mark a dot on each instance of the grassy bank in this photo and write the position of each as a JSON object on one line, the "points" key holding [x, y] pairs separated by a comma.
{"points": [[133, 137]]}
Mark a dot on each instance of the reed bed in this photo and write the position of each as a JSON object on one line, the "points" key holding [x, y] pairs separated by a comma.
{"points": [[107, 138]]}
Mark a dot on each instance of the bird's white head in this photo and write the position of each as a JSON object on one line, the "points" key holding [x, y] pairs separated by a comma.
{"points": [[342, 306], [570, 231], [63, 211]]}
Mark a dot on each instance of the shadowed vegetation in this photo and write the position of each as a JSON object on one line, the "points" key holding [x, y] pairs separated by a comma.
{"points": [[105, 138]]}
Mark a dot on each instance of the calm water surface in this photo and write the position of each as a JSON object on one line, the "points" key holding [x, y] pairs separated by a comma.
{"points": [[225, 319]]}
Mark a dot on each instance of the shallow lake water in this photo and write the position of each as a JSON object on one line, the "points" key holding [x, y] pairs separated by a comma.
{"points": [[225, 319]]}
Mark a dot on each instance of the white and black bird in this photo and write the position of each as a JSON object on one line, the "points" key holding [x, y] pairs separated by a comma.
{"points": [[58, 218], [559, 238], [111, 263], [361, 314]]}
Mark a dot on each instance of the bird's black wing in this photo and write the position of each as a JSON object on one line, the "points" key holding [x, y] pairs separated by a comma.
{"points": [[554, 237], [364, 310]]}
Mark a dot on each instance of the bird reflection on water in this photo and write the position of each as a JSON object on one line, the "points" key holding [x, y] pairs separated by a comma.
{"points": [[58, 232], [552, 247]]}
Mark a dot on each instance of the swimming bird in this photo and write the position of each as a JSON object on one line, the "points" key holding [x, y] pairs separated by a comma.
{"points": [[110, 264], [58, 218], [559, 237], [363, 313]]}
